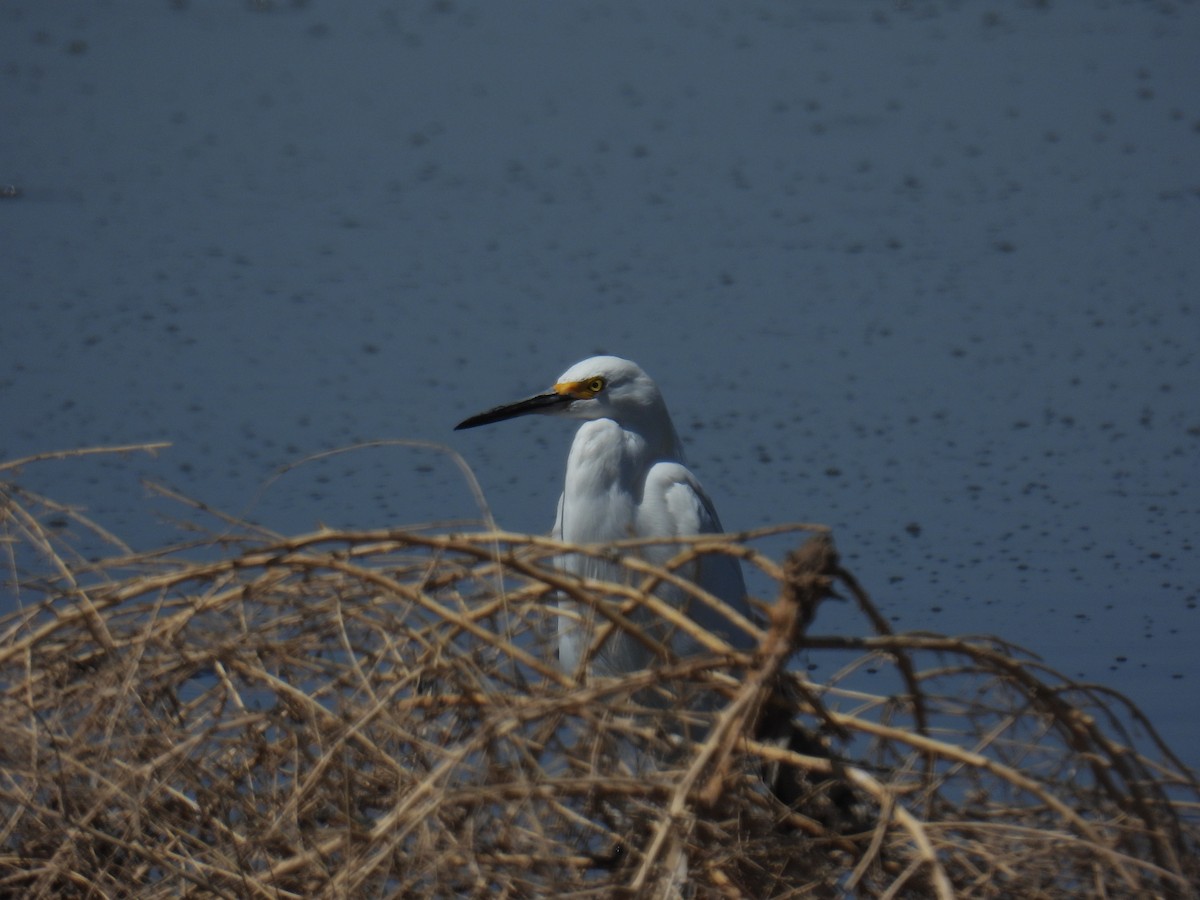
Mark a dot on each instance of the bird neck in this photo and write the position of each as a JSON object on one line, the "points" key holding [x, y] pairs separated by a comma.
{"points": [[657, 433], [605, 450]]}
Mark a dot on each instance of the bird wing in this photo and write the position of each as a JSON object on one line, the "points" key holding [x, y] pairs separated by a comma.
{"points": [[674, 504]]}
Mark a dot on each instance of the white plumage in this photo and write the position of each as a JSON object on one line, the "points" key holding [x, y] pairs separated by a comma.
{"points": [[626, 477]]}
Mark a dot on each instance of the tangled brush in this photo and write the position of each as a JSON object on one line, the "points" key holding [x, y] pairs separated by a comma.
{"points": [[380, 713]]}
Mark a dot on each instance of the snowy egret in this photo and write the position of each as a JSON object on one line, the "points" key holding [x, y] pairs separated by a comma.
{"points": [[626, 477]]}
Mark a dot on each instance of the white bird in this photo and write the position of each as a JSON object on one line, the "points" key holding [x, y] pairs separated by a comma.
{"points": [[626, 477]]}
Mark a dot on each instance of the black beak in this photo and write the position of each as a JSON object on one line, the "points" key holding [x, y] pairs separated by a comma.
{"points": [[540, 404]]}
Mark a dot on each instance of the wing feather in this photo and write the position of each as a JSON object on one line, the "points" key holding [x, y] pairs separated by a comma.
{"points": [[675, 504]]}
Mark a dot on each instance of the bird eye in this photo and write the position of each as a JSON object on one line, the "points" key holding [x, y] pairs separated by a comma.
{"points": [[596, 385]]}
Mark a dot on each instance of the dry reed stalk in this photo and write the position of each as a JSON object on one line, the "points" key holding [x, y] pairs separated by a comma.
{"points": [[380, 713]]}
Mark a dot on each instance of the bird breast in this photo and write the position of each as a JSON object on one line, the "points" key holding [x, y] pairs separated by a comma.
{"points": [[606, 472]]}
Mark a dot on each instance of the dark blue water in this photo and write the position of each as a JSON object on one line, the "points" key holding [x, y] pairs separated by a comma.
{"points": [[925, 274]]}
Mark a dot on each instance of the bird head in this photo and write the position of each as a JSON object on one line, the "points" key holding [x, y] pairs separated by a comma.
{"points": [[602, 387]]}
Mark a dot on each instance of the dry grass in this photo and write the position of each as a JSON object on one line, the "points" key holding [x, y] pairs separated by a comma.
{"points": [[379, 714]]}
